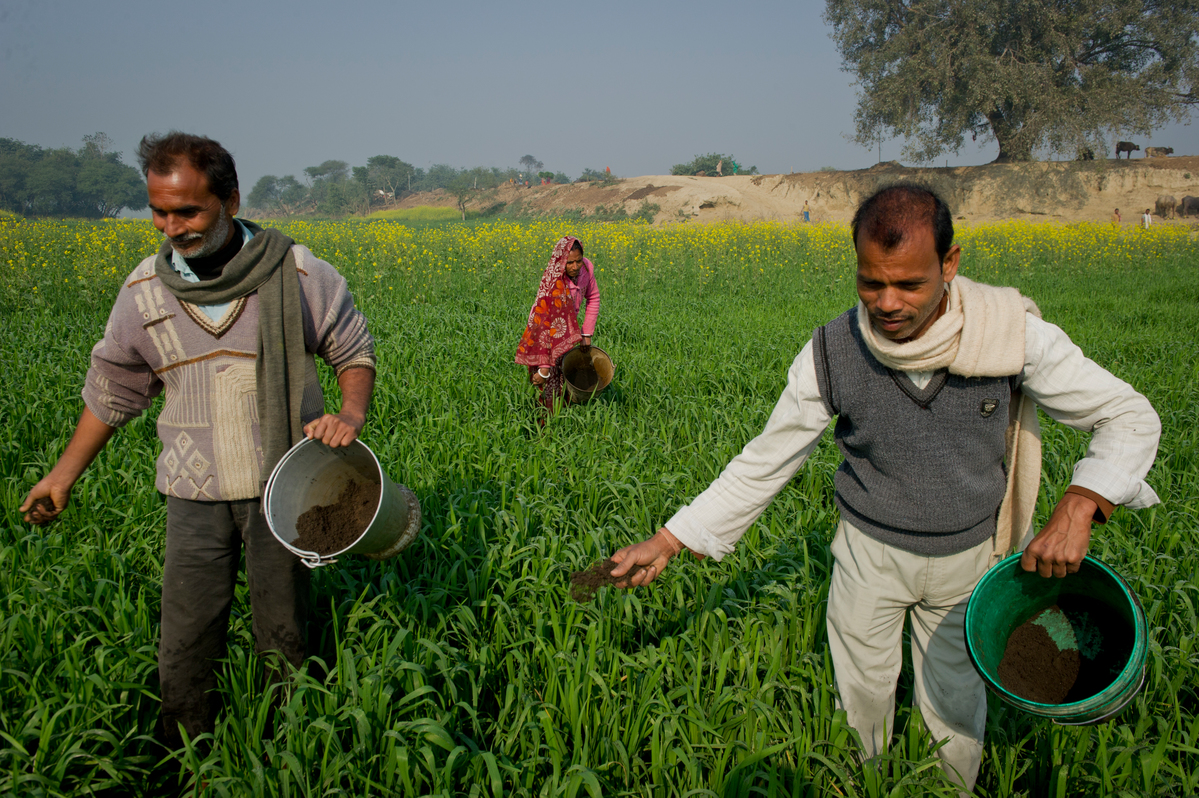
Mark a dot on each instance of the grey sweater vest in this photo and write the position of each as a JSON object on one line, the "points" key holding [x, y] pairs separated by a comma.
{"points": [[923, 469]]}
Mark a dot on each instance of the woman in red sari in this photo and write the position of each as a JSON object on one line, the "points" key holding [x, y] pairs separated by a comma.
{"points": [[553, 326]]}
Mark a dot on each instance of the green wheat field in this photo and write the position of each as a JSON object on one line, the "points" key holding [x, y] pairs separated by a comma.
{"points": [[462, 666]]}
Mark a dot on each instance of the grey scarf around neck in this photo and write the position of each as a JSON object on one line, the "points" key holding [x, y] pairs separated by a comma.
{"points": [[265, 264]]}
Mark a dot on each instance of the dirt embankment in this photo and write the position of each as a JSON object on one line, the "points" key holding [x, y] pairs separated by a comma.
{"points": [[1064, 191]]}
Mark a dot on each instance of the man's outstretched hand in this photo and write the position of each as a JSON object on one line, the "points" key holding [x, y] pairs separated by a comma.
{"points": [[45, 502], [1059, 547], [653, 554]]}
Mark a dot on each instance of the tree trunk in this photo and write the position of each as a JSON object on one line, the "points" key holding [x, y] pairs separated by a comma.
{"points": [[1011, 148]]}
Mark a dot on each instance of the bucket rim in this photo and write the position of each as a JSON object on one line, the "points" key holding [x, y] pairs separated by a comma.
{"points": [[315, 559], [1094, 708]]}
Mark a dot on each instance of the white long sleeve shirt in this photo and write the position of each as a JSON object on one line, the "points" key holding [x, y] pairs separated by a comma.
{"points": [[1064, 383]]}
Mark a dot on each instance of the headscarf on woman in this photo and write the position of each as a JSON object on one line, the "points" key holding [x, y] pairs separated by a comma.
{"points": [[553, 326]]}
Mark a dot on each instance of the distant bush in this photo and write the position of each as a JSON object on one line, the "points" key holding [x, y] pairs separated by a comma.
{"points": [[708, 163], [647, 212], [828, 169], [596, 176]]}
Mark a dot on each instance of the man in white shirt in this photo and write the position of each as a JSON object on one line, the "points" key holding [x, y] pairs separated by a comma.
{"points": [[931, 380]]}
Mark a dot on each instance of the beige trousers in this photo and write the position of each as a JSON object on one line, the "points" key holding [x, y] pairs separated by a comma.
{"points": [[873, 587]]}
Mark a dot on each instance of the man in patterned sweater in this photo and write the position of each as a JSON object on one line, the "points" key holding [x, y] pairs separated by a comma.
{"points": [[226, 319], [934, 382]]}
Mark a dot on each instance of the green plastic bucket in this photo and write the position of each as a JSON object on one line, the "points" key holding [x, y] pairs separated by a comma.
{"points": [[1104, 614]]}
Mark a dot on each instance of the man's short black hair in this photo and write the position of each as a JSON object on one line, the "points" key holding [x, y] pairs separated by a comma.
{"points": [[889, 215], [162, 154]]}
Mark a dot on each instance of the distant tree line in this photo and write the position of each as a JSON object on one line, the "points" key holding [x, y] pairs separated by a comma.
{"points": [[334, 188], [91, 182]]}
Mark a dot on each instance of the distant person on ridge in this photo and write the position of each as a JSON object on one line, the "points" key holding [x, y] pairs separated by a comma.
{"points": [[1147, 219], [567, 286], [807, 214], [931, 380], [225, 319], [1116, 218]]}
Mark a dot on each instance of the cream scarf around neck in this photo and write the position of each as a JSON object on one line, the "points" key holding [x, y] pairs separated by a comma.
{"points": [[981, 334]]}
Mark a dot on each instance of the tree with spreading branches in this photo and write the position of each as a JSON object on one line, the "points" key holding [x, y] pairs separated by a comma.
{"points": [[1052, 75]]}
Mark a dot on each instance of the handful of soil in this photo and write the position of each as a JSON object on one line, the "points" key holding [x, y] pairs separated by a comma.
{"points": [[43, 511], [1042, 661], [585, 584], [332, 527]]}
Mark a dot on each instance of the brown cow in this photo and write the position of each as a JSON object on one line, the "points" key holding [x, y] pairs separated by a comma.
{"points": [[1128, 147], [1165, 206], [1157, 152], [1189, 204]]}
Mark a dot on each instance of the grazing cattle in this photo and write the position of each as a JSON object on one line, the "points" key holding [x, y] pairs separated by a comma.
{"points": [[1165, 206], [1158, 152], [1190, 204], [1128, 147]]}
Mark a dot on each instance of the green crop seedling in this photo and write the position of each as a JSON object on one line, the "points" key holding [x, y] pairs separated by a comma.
{"points": [[463, 666]]}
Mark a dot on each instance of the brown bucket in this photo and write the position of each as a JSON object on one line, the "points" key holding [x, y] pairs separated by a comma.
{"points": [[586, 372]]}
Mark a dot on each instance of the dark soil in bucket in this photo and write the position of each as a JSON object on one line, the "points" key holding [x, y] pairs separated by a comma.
{"points": [[333, 527], [585, 584], [1065, 653]]}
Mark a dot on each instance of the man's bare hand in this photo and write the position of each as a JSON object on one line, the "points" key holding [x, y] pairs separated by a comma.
{"points": [[653, 554], [335, 430], [50, 496], [45, 502], [1059, 547]]}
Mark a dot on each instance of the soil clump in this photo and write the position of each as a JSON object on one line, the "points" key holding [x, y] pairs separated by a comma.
{"points": [[332, 527], [1066, 653], [1034, 667], [585, 584]]}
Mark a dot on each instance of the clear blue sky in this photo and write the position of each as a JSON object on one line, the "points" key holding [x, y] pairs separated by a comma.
{"points": [[635, 86]]}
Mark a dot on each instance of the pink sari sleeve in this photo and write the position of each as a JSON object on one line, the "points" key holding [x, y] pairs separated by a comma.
{"points": [[591, 299]]}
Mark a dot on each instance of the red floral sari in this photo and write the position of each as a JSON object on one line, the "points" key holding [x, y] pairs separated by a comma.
{"points": [[553, 326]]}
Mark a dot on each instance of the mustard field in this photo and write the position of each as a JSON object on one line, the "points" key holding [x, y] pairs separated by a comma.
{"points": [[463, 667]]}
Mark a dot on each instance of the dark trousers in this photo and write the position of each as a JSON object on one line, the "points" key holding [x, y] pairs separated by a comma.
{"points": [[203, 551]]}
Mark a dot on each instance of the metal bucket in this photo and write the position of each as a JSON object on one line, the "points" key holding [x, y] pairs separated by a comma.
{"points": [[1007, 596], [586, 372], [312, 474]]}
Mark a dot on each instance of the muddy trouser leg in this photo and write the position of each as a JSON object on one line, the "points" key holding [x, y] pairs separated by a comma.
{"points": [[950, 693], [866, 608], [203, 549], [278, 585]]}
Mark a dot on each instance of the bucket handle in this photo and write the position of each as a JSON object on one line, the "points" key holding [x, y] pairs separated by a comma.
{"points": [[1111, 714], [316, 562]]}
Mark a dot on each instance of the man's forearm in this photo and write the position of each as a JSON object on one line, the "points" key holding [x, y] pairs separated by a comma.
{"points": [[91, 434], [357, 384]]}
